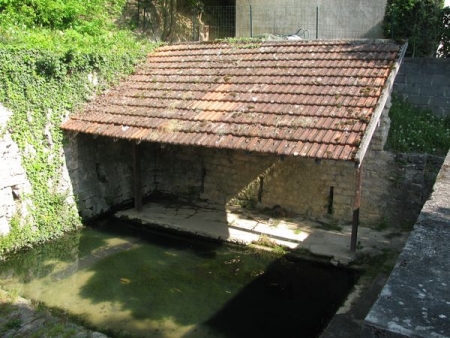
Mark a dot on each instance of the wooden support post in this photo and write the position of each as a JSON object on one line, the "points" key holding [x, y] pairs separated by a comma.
{"points": [[356, 206], [137, 182]]}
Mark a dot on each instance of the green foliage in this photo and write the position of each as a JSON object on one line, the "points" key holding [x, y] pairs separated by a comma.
{"points": [[444, 48], [47, 71], [419, 21], [61, 14], [12, 324], [416, 130]]}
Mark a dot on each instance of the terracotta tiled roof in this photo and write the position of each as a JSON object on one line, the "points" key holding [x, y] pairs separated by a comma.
{"points": [[304, 98]]}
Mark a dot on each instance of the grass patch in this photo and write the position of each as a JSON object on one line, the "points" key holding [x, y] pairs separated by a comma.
{"points": [[416, 130], [9, 297], [12, 324], [393, 235], [384, 224], [330, 227], [373, 265], [268, 242]]}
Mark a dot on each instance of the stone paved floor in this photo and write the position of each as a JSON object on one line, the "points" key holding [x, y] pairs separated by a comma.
{"points": [[235, 224]]}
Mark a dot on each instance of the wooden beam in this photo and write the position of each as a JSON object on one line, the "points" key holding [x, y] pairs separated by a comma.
{"points": [[356, 207], [137, 181]]}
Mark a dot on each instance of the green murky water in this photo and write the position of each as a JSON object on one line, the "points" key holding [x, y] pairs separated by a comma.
{"points": [[123, 278]]}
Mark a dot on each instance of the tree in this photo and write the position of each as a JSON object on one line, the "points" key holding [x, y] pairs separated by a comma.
{"points": [[419, 21], [164, 17], [444, 47]]}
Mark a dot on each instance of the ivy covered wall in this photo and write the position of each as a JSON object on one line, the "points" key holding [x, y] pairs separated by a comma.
{"points": [[40, 87]]}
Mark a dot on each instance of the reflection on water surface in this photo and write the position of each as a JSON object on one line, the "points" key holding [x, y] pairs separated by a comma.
{"points": [[122, 278]]}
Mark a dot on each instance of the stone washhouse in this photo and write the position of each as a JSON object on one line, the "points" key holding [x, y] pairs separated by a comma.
{"points": [[285, 124]]}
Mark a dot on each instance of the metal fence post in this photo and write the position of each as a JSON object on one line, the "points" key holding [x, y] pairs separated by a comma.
{"points": [[193, 25], [138, 13], [251, 22], [317, 22]]}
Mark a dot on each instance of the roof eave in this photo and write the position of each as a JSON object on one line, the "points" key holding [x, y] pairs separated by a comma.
{"points": [[365, 142]]}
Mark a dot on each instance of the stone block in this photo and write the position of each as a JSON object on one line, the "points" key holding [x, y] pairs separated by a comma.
{"points": [[8, 208], [441, 102], [4, 226], [446, 90], [400, 79], [411, 67], [431, 90], [440, 80], [419, 101], [415, 301], [435, 66]]}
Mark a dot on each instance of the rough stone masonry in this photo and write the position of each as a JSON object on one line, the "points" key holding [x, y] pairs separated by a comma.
{"points": [[13, 180]]}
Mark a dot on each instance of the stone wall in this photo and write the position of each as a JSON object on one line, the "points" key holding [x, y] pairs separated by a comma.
{"points": [[13, 180], [100, 172], [338, 19], [425, 83], [250, 179]]}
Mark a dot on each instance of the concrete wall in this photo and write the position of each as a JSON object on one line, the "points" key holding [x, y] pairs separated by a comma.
{"points": [[425, 83], [337, 19]]}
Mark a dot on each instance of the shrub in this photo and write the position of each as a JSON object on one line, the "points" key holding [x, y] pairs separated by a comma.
{"points": [[444, 47], [59, 14]]}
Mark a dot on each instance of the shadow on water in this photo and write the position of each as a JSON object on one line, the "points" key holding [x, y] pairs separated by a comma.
{"points": [[292, 298]]}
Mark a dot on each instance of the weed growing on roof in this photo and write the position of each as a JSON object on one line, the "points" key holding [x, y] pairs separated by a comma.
{"points": [[416, 130], [243, 43], [48, 63]]}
